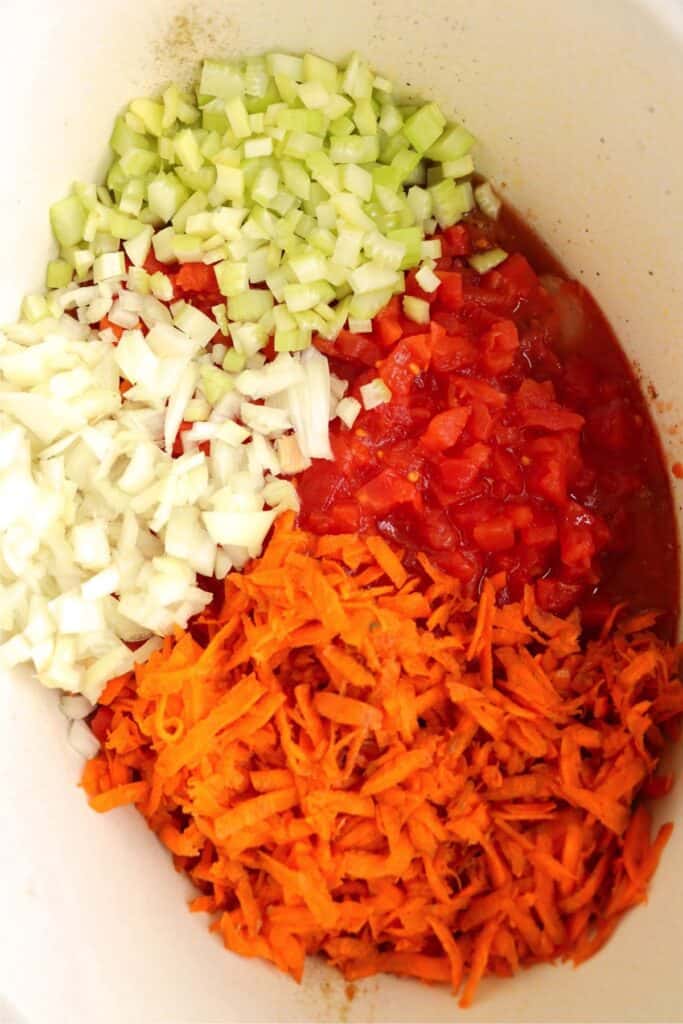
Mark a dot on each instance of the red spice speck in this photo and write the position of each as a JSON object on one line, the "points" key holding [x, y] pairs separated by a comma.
{"points": [[677, 470]]}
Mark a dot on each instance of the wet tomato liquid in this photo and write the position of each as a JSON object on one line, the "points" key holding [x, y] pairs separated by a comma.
{"points": [[516, 440]]}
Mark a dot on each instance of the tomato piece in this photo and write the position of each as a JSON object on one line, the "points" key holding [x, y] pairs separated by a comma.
{"points": [[495, 534], [387, 490], [106, 324], [519, 275], [500, 344], [455, 241], [558, 596], [196, 277], [449, 294], [153, 266], [445, 429]]}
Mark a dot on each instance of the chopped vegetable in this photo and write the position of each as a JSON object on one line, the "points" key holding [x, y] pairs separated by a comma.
{"points": [[352, 759]]}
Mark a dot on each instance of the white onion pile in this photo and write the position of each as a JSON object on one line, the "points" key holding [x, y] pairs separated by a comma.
{"points": [[102, 531]]}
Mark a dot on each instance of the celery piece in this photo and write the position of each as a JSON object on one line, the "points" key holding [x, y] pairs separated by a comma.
{"points": [[341, 126], [187, 248], [487, 200], [187, 150], [314, 95], [296, 178], [447, 202], [151, 113], [322, 239], [214, 118], [455, 142], [256, 77], [390, 120], [411, 238], [390, 145], [232, 277], [358, 78], [295, 340], [337, 108], [365, 116], [137, 248], [233, 361], [317, 69], [58, 274], [215, 383], [123, 138], [138, 280], [287, 88], [459, 168], [313, 121], [162, 286], [299, 297], [162, 244], [133, 197], [67, 220], [138, 162], [357, 180], [220, 78], [285, 64], [249, 305], [368, 305], [323, 171], [121, 226], [202, 180], [108, 266], [299, 144], [485, 261], [405, 162], [196, 203], [165, 195], [424, 127], [230, 182], [417, 310], [238, 117], [354, 149], [256, 147]]}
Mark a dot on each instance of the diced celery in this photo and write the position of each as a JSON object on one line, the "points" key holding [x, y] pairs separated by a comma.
{"points": [[487, 200], [323, 171], [390, 120], [371, 277], [187, 150], [424, 127], [420, 202], [133, 197], [405, 162], [196, 203], [296, 178], [138, 162], [109, 265], [83, 260], [287, 65], [323, 240], [230, 182], [309, 267], [220, 78], [58, 274], [368, 305], [215, 383], [287, 88], [121, 226], [161, 285], [450, 201], [357, 80], [305, 296], [124, 138], [299, 144], [233, 361], [249, 305], [411, 238], [357, 180], [365, 116], [137, 248], [354, 149], [203, 224], [165, 195], [459, 168], [485, 261], [233, 278], [138, 280], [360, 326], [313, 121], [427, 279], [238, 117], [187, 248], [255, 147], [388, 177], [314, 95], [214, 118], [265, 186], [229, 155], [295, 340], [202, 180], [317, 69], [162, 244], [390, 145], [455, 142], [416, 309], [341, 126], [256, 77], [67, 220], [337, 109], [431, 250], [389, 252], [151, 113]]}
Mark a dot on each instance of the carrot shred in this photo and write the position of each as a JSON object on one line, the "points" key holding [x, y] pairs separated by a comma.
{"points": [[361, 761]]}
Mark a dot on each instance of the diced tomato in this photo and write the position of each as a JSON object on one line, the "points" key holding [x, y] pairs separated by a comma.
{"points": [[495, 534], [153, 266], [387, 490], [449, 294], [519, 275], [455, 241], [445, 429], [500, 344], [558, 596], [195, 277]]}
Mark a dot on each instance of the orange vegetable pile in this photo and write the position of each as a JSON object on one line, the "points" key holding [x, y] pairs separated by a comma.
{"points": [[357, 761]]}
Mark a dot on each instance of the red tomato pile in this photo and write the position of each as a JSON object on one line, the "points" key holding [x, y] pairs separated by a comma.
{"points": [[505, 446]]}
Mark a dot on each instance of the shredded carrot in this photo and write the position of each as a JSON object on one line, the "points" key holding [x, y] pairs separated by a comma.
{"points": [[360, 761]]}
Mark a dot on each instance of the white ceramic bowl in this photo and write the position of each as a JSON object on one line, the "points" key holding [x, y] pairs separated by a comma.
{"points": [[578, 109]]}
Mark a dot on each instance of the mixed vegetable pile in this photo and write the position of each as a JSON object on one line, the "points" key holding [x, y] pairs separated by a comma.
{"points": [[321, 509]]}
